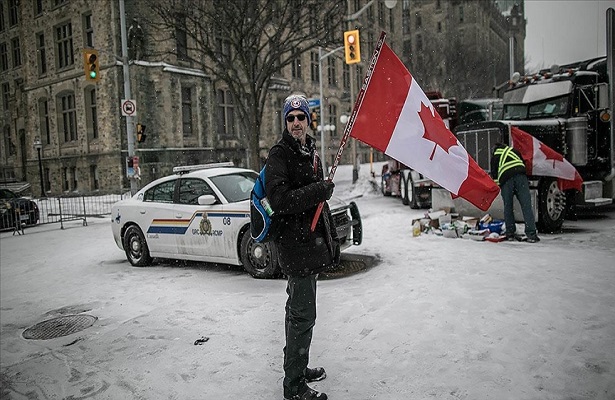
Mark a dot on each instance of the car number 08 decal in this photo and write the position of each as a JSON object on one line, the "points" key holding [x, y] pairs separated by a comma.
{"points": [[226, 220]]}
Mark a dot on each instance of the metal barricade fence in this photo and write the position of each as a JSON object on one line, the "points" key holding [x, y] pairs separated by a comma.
{"points": [[58, 209]]}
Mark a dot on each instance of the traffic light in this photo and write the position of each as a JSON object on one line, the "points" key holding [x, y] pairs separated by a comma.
{"points": [[314, 118], [141, 136], [90, 65], [352, 47]]}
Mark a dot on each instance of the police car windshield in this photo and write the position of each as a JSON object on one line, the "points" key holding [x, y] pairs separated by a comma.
{"points": [[235, 187]]}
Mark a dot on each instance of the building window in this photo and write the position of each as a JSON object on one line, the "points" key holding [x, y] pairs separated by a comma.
{"points": [[314, 66], [391, 21], [68, 120], [226, 118], [13, 12], [38, 7], [47, 180], [296, 65], [371, 42], [43, 116], [9, 147], [187, 111], [222, 46], [91, 114], [381, 14], [64, 43], [370, 13], [181, 43], [65, 179], [438, 5], [332, 118], [331, 72], [419, 21], [73, 176], [88, 30], [439, 26], [4, 57], [95, 185], [1, 16], [405, 21], [346, 76], [6, 95], [460, 13], [419, 43], [16, 52], [41, 54]]}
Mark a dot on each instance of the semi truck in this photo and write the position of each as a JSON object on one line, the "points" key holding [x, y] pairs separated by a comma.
{"points": [[570, 109]]}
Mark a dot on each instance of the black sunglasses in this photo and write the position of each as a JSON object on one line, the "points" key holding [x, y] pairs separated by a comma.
{"points": [[291, 118]]}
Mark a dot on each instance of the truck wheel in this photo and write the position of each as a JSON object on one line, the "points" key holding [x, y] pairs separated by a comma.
{"points": [[135, 247], [551, 206], [414, 204], [259, 259], [403, 189]]}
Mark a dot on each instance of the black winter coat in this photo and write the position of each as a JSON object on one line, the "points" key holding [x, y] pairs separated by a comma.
{"points": [[294, 189]]}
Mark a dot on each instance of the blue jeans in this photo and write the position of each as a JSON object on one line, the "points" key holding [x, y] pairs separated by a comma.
{"points": [[300, 320], [518, 186]]}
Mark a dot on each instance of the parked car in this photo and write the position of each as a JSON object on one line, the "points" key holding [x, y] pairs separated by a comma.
{"points": [[15, 210], [202, 213]]}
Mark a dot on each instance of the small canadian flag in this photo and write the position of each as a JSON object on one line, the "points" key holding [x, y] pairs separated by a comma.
{"points": [[541, 160]]}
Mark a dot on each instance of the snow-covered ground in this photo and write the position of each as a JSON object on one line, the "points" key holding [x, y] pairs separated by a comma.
{"points": [[436, 318]]}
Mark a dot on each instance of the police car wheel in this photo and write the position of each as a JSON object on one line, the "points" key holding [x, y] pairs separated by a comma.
{"points": [[135, 247], [259, 259]]}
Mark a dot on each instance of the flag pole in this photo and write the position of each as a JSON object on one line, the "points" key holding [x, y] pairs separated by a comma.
{"points": [[350, 123]]}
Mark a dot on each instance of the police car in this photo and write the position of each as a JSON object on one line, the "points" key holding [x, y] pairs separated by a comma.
{"points": [[202, 213]]}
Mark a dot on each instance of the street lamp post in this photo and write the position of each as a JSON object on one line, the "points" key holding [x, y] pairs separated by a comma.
{"points": [[38, 146], [322, 105]]}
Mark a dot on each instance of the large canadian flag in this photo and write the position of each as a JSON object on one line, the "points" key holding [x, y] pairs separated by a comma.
{"points": [[541, 160], [393, 115]]}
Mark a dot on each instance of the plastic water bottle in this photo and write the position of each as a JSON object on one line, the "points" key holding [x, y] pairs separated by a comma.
{"points": [[416, 228], [267, 206]]}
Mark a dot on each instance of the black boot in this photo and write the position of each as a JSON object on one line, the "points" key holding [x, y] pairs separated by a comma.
{"points": [[306, 393], [315, 374]]}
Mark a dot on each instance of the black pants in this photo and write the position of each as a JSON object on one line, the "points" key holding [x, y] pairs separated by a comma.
{"points": [[299, 322]]}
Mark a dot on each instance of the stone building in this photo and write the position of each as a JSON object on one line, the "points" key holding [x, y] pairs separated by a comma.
{"points": [[188, 115]]}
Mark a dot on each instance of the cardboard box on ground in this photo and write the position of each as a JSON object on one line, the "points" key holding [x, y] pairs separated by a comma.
{"points": [[446, 222]]}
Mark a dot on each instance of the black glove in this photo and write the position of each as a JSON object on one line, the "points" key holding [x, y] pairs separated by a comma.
{"points": [[328, 186]]}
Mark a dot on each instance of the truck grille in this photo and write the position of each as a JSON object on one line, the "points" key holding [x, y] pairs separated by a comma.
{"points": [[479, 143]]}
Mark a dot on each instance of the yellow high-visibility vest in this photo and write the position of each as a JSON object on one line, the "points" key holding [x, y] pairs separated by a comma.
{"points": [[508, 160]]}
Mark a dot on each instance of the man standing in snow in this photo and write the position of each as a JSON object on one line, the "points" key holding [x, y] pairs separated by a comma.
{"points": [[508, 171], [295, 186]]}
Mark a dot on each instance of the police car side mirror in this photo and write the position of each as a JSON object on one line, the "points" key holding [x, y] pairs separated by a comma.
{"points": [[207, 200]]}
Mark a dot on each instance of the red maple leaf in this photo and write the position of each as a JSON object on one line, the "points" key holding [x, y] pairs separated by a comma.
{"points": [[436, 131], [551, 154]]}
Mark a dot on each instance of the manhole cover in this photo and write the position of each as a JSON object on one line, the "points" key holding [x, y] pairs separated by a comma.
{"points": [[349, 264], [58, 327]]}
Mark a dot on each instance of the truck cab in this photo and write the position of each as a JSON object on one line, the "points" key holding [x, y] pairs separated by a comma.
{"points": [[566, 108]]}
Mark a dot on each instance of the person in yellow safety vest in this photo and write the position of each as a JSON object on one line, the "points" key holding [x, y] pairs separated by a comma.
{"points": [[508, 171]]}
